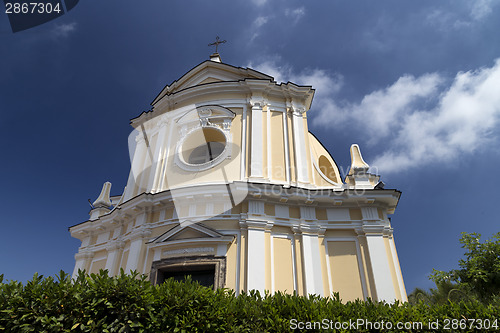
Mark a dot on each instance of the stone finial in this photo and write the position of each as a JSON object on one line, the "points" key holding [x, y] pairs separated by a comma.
{"points": [[104, 198], [357, 162], [358, 176]]}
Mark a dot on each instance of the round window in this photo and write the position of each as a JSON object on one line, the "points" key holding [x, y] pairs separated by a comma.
{"points": [[203, 146]]}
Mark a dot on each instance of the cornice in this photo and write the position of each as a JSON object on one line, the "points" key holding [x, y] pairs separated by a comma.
{"points": [[244, 88], [271, 193]]}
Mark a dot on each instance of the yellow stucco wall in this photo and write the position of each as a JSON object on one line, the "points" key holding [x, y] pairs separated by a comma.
{"points": [[278, 147], [231, 265], [344, 270], [98, 265], [283, 265]]}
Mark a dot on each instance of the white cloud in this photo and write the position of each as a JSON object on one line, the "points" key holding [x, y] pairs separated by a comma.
{"points": [[481, 8], [324, 82], [462, 121], [260, 21], [259, 2], [384, 109], [256, 26], [463, 14], [295, 14], [63, 30], [415, 121]]}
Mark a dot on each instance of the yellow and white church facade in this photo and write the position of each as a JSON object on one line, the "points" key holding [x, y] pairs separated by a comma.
{"points": [[228, 185]]}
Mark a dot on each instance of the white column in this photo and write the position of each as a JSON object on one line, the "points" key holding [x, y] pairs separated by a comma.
{"points": [[138, 235], [111, 261], [256, 151], [79, 265], [243, 144], [269, 144], [380, 268], [397, 267], [162, 181], [134, 255], [147, 161], [373, 228], [137, 162], [312, 264], [158, 157], [82, 260], [140, 219], [287, 148], [256, 261], [300, 146]]}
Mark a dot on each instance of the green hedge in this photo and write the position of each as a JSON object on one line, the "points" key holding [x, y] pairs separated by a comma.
{"points": [[98, 303]]}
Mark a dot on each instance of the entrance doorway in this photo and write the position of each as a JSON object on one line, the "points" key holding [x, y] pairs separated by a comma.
{"points": [[208, 271], [204, 275]]}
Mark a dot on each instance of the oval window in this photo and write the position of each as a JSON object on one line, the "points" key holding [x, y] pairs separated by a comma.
{"points": [[203, 146], [327, 168]]}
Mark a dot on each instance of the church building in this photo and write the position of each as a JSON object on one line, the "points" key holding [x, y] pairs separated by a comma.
{"points": [[228, 185]]}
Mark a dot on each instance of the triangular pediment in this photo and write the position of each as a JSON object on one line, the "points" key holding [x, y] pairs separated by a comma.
{"points": [[209, 72], [187, 231]]}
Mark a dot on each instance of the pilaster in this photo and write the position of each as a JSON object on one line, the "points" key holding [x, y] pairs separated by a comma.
{"points": [[136, 245], [82, 261], [256, 254], [257, 139], [311, 259], [299, 144], [113, 249], [158, 157], [374, 229], [137, 165]]}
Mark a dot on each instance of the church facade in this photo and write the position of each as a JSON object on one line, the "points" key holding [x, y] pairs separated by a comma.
{"points": [[228, 185]]}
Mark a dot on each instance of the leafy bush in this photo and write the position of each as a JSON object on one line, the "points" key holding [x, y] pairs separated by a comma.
{"points": [[479, 272], [129, 303]]}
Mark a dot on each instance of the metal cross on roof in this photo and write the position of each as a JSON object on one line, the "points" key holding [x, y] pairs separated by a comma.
{"points": [[216, 43]]}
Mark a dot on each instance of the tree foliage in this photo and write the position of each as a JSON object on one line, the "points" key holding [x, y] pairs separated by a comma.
{"points": [[479, 272]]}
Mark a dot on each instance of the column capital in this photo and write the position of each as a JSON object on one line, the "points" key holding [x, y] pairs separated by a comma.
{"points": [[258, 102], [257, 224], [140, 232], [309, 229], [115, 245], [369, 230], [84, 255], [297, 112]]}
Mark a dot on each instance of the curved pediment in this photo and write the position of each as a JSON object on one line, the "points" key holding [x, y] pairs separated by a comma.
{"points": [[189, 231], [212, 112], [210, 72]]}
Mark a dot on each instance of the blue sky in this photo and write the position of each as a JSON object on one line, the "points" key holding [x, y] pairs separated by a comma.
{"points": [[415, 83]]}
